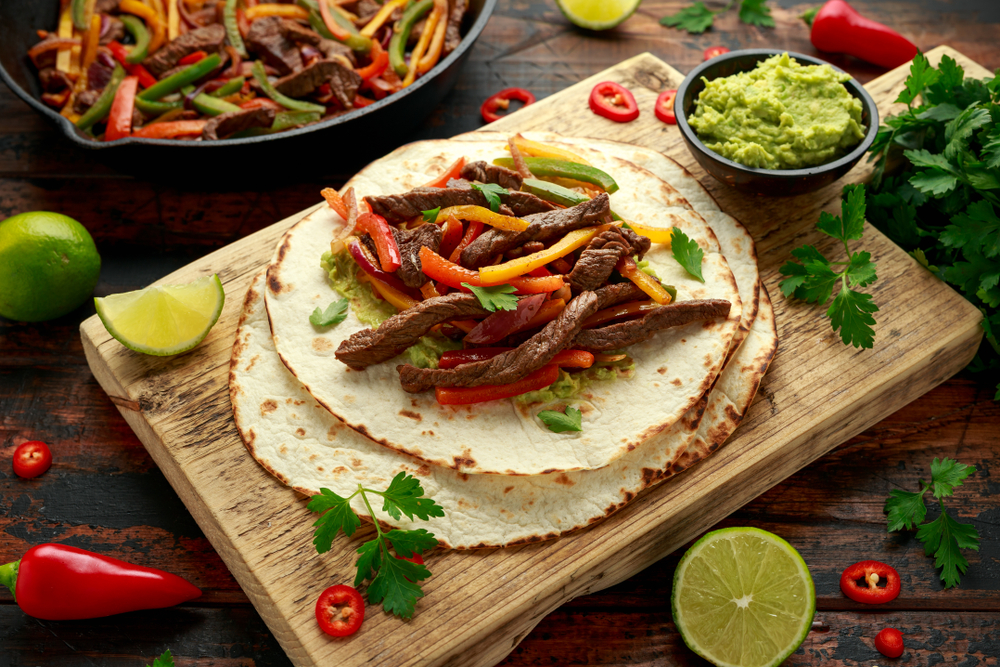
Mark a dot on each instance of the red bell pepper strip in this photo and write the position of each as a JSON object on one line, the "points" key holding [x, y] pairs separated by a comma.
{"points": [[375, 225], [502, 100], [31, 459], [664, 107], [441, 270], [380, 60], [872, 573], [837, 28], [120, 53], [192, 58], [565, 358], [614, 102], [451, 236], [889, 642], [340, 609], [360, 102], [369, 265], [714, 52], [57, 582], [471, 234], [171, 129], [540, 379], [454, 171], [498, 326], [550, 310], [120, 118]]}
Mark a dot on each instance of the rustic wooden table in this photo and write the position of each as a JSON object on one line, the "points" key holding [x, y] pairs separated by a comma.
{"points": [[105, 494]]}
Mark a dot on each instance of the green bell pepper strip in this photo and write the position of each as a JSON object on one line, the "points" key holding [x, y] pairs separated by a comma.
{"points": [[102, 107], [284, 120], [187, 75], [79, 13], [152, 108], [272, 92], [231, 87], [356, 41], [397, 45], [138, 30], [212, 106], [233, 28], [545, 166], [557, 194]]}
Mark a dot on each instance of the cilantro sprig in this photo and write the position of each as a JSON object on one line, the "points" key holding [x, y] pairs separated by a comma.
{"points": [[165, 660], [558, 422], [698, 18], [687, 252], [431, 215], [944, 537], [393, 581], [495, 297], [492, 192], [815, 278], [335, 313]]}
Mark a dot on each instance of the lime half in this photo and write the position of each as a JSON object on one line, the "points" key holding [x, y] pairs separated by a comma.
{"points": [[164, 319], [743, 597], [597, 14]]}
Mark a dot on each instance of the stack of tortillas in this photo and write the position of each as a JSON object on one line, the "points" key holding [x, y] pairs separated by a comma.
{"points": [[501, 476]]}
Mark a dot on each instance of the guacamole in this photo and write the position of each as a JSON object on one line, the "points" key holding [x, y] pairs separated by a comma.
{"points": [[780, 115]]}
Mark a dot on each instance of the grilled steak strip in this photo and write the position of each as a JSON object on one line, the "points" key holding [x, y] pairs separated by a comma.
{"points": [[410, 241], [344, 82], [208, 39], [512, 365], [612, 295], [491, 173], [623, 334], [236, 121], [542, 227], [373, 346], [406, 206], [453, 35], [598, 259]]}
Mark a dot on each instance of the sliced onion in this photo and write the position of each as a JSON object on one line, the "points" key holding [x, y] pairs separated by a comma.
{"points": [[499, 325], [369, 265]]}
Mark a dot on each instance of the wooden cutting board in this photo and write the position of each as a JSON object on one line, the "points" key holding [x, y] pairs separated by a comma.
{"points": [[479, 605]]}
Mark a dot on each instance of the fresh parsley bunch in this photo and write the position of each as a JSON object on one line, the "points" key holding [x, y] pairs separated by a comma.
{"points": [[944, 537], [698, 18], [165, 660], [394, 582], [942, 205]]}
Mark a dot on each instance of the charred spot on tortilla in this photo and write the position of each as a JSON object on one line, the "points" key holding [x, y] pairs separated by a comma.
{"points": [[268, 406], [322, 345], [301, 432], [411, 415]]}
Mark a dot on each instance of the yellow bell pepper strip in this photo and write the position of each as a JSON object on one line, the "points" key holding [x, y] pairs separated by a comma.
{"points": [[439, 269], [617, 312], [102, 106], [647, 283], [92, 39], [502, 273], [438, 14], [437, 43], [65, 31], [537, 149], [148, 14], [549, 167], [471, 212], [283, 100], [397, 45], [232, 28], [654, 234], [186, 76], [173, 20], [399, 300], [137, 29], [383, 15], [275, 9]]}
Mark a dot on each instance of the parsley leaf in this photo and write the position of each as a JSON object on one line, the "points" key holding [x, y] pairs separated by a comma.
{"points": [[405, 496], [696, 18], [978, 227], [921, 76], [850, 226], [495, 296], [338, 517], [947, 474], [395, 586], [687, 252], [165, 660], [492, 192], [944, 538], [431, 215], [335, 313], [558, 422], [851, 313], [906, 509], [756, 12]]}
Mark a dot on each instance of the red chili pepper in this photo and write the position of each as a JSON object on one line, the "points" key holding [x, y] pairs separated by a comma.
{"points": [[540, 379], [340, 609], [713, 51], [385, 243], [664, 108], [614, 102], [454, 171], [146, 79], [837, 28], [889, 643], [120, 117], [31, 459], [57, 582], [871, 572], [192, 58], [502, 100]]}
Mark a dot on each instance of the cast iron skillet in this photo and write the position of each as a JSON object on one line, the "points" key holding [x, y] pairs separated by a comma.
{"points": [[393, 115]]}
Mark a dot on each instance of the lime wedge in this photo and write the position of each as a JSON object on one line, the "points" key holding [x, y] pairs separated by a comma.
{"points": [[597, 14], [163, 319], [743, 597]]}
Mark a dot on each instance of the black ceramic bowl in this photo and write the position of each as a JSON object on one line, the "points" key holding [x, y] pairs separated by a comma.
{"points": [[765, 181], [393, 116]]}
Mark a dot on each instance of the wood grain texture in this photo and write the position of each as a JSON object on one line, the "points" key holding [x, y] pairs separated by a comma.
{"points": [[818, 394]]}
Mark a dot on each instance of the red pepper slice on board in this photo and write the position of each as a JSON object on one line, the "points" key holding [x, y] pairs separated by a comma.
{"points": [[889, 642], [871, 572], [120, 117], [340, 609], [385, 243], [120, 53], [614, 102], [664, 108], [540, 379], [714, 51], [454, 171], [837, 28], [57, 582], [192, 58], [501, 100], [31, 459]]}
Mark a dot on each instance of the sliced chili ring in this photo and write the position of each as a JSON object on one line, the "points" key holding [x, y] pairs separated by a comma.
{"points": [[340, 611], [860, 582], [501, 100], [664, 108], [714, 51], [614, 102], [31, 459], [415, 558]]}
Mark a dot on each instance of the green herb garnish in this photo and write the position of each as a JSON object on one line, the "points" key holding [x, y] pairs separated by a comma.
{"points": [[687, 252], [815, 278], [698, 18], [492, 192], [431, 215], [944, 537], [335, 313], [558, 422], [495, 296], [393, 580], [165, 660]]}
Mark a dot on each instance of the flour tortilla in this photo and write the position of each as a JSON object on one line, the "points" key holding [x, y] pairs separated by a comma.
{"points": [[306, 448], [674, 369]]}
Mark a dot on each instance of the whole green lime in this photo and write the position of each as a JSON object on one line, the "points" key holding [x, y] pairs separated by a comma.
{"points": [[48, 266]]}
